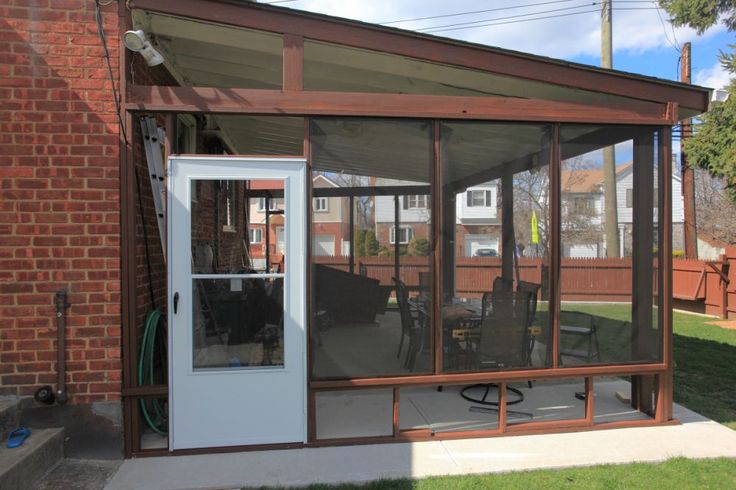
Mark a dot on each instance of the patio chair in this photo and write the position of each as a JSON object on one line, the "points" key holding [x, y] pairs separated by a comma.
{"points": [[533, 290], [500, 285], [580, 325], [503, 343], [411, 327]]}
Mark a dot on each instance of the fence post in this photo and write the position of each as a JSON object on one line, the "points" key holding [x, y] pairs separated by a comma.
{"points": [[724, 288]]}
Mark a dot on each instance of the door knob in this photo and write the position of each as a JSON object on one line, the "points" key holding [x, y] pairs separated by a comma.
{"points": [[176, 302]]}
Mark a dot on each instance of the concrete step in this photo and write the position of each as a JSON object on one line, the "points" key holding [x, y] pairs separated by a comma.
{"points": [[21, 467], [9, 415]]}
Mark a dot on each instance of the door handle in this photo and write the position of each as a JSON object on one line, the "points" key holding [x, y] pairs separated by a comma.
{"points": [[176, 302]]}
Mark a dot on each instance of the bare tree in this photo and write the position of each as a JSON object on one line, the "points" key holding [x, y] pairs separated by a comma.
{"points": [[363, 204], [581, 221], [716, 211], [531, 196]]}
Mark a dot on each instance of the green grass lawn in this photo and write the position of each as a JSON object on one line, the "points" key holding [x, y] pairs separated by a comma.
{"points": [[676, 473], [705, 357], [705, 370]]}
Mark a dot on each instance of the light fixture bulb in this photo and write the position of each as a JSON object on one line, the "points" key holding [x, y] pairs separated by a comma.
{"points": [[134, 40]]}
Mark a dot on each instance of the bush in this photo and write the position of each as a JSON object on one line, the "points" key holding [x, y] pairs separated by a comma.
{"points": [[359, 246], [370, 243], [419, 247]]}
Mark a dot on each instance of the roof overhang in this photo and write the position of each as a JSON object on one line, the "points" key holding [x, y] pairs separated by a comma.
{"points": [[691, 100]]}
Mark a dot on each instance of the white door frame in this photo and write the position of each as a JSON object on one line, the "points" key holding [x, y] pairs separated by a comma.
{"points": [[182, 171]]}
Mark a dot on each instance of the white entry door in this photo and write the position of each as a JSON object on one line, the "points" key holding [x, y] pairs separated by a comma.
{"points": [[237, 368]]}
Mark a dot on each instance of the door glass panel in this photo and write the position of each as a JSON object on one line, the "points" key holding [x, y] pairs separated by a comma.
{"points": [[238, 322], [238, 228]]}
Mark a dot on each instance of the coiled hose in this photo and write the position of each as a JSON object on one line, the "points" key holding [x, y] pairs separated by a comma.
{"points": [[150, 372]]}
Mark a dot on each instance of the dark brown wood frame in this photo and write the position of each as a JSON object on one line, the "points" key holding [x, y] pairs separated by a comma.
{"points": [[428, 48], [657, 105]]}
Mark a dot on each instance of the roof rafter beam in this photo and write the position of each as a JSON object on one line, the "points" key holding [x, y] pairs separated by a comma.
{"points": [[298, 103], [415, 45]]}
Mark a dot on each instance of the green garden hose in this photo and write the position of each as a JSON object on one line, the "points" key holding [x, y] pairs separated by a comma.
{"points": [[149, 372]]}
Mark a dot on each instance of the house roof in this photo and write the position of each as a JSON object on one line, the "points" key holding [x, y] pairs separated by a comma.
{"points": [[587, 180]]}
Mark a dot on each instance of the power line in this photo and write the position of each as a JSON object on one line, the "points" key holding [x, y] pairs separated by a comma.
{"points": [[497, 9], [433, 30], [469, 12], [664, 28], [528, 14]]}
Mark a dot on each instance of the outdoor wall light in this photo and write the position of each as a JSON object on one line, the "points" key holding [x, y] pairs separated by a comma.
{"points": [[136, 41], [719, 96]]}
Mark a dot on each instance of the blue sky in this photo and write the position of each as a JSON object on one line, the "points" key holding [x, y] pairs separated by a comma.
{"points": [[642, 41]]}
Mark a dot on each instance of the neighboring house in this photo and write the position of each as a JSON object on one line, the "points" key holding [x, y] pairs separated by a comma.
{"points": [[331, 230], [414, 216], [478, 225], [477, 229], [330, 221], [582, 198]]}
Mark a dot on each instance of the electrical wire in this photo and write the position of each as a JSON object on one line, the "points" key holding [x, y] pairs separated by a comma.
{"points": [[497, 9], [106, 55], [664, 28], [514, 21], [528, 14], [117, 102], [433, 30], [470, 12]]}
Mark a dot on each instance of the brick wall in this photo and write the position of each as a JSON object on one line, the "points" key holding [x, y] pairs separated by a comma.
{"points": [[59, 198]]}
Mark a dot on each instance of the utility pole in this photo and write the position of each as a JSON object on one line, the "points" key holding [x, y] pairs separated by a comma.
{"points": [[609, 157], [688, 177]]}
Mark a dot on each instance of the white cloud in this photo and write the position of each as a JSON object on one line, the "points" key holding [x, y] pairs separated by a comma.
{"points": [[567, 36], [714, 77]]}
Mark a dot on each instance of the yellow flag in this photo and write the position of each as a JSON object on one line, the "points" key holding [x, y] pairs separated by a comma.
{"points": [[535, 229]]}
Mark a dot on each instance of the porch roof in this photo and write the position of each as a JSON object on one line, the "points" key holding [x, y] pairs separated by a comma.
{"points": [[221, 43]]}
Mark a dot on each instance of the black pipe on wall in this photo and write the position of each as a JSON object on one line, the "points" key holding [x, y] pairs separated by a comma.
{"points": [[62, 303]]}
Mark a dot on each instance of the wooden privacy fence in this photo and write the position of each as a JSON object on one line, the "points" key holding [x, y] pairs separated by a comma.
{"points": [[706, 286], [580, 279]]}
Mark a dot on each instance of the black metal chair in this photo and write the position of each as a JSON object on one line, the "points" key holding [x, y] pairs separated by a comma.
{"points": [[503, 342], [411, 327], [581, 326], [533, 290]]}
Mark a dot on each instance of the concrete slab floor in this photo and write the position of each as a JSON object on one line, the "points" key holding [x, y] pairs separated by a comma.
{"points": [[79, 474], [697, 437]]}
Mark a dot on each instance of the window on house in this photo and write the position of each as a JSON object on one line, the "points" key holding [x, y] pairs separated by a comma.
{"points": [[479, 198], [405, 234], [229, 190], [415, 202], [583, 205], [256, 235], [273, 204], [320, 204]]}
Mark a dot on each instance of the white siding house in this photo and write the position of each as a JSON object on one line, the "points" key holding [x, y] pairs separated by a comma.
{"points": [[587, 185]]}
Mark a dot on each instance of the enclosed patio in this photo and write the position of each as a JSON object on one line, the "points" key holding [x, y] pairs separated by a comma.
{"points": [[426, 260]]}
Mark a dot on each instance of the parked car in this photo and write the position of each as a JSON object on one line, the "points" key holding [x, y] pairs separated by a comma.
{"points": [[485, 252]]}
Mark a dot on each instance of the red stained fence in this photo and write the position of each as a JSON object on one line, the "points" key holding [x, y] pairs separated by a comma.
{"points": [[694, 281], [581, 279], [707, 285]]}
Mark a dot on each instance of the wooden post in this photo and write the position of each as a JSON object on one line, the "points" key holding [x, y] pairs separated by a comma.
{"points": [[610, 208], [688, 177], [507, 225], [642, 265]]}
